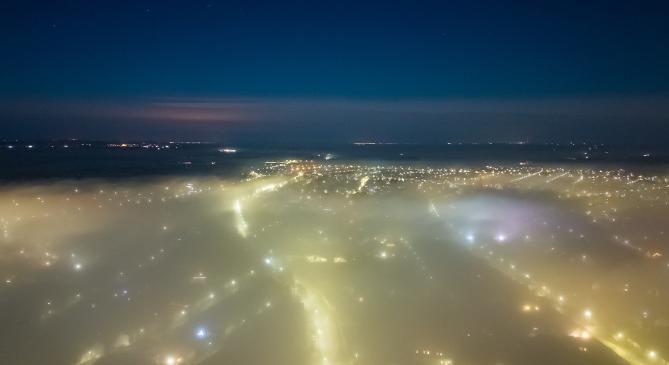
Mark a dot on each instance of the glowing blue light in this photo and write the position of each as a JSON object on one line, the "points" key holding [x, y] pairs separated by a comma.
{"points": [[201, 333]]}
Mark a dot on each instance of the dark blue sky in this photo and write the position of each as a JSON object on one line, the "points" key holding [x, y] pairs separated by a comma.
{"points": [[335, 70]]}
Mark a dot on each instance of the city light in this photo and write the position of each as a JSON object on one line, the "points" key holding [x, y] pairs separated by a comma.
{"points": [[282, 248]]}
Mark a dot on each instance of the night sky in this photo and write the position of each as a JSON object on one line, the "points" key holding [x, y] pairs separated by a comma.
{"points": [[335, 71]]}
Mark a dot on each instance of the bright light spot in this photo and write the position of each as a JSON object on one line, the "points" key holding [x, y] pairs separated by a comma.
{"points": [[470, 238], [652, 355], [501, 237], [201, 333], [363, 182], [587, 313], [531, 308], [171, 360], [582, 334]]}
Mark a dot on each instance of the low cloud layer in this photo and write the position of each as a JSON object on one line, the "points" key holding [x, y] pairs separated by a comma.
{"points": [[339, 120]]}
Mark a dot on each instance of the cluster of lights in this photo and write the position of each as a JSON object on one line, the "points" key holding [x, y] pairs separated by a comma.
{"points": [[363, 180]]}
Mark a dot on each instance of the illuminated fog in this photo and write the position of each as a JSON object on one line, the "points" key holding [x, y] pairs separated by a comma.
{"points": [[299, 263]]}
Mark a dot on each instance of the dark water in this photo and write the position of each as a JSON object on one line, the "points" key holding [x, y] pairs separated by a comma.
{"points": [[81, 159]]}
